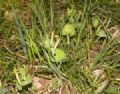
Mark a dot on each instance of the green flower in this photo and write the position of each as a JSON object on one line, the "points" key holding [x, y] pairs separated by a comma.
{"points": [[59, 55], [68, 29]]}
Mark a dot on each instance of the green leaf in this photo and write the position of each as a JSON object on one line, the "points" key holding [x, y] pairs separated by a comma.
{"points": [[59, 55], [101, 33], [3, 91], [95, 21], [112, 90], [27, 80], [22, 73], [19, 87]]}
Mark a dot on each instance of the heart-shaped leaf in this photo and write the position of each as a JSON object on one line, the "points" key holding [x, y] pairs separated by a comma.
{"points": [[23, 78]]}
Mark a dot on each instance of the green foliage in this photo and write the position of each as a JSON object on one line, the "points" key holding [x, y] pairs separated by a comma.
{"points": [[95, 21], [101, 33], [3, 91], [112, 90], [23, 78], [44, 48]]}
